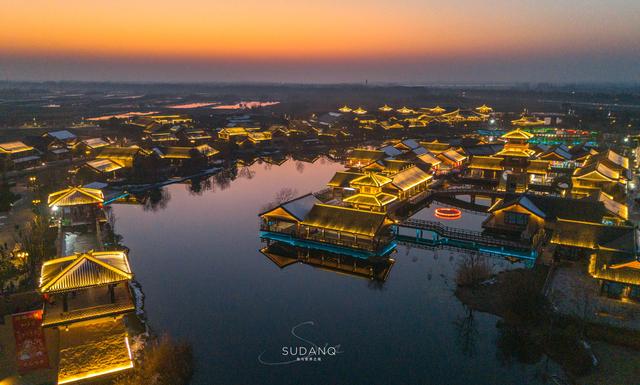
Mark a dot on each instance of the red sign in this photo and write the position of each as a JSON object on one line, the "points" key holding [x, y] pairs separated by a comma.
{"points": [[31, 350]]}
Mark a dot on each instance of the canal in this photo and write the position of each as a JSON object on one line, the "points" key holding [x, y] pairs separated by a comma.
{"points": [[197, 258]]}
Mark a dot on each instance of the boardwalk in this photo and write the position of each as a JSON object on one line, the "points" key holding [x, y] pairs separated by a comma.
{"points": [[444, 236], [461, 234]]}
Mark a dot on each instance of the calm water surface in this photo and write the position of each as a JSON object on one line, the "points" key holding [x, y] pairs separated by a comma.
{"points": [[205, 280]]}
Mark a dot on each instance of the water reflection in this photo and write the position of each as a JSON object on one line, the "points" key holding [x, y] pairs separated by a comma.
{"points": [[375, 269], [468, 333]]}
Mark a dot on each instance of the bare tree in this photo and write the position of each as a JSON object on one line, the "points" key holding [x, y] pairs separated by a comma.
{"points": [[473, 270]]}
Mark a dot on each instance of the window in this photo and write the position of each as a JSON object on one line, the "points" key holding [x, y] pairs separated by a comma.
{"points": [[515, 218]]}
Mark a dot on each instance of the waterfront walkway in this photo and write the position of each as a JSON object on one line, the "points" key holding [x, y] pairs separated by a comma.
{"points": [[441, 235]]}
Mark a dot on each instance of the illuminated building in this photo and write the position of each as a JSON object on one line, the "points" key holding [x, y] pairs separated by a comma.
{"points": [[405, 110], [85, 297], [123, 156], [369, 194], [76, 206], [527, 216], [484, 109], [361, 157], [305, 219], [607, 172], [18, 155], [89, 147], [527, 121], [176, 156]]}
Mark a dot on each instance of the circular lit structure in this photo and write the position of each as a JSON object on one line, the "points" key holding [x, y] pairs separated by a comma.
{"points": [[448, 213]]}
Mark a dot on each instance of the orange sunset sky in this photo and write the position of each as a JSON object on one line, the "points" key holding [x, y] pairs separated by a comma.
{"points": [[325, 40]]}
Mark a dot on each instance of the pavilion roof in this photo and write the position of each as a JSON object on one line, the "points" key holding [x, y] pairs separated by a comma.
{"points": [[614, 207], [296, 209], [484, 109], [345, 109], [405, 110], [84, 270], [95, 142], [597, 171], [366, 155], [343, 178], [104, 165], [553, 208], [380, 199], [429, 158], [386, 108], [486, 163], [517, 134], [410, 177], [515, 151], [618, 159], [235, 130], [437, 110], [174, 152], [14, 147], [75, 196], [436, 147], [594, 235], [118, 152], [453, 155], [360, 111], [527, 121], [371, 179], [538, 167], [346, 219]]}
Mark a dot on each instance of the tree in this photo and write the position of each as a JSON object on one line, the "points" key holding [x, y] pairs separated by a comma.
{"points": [[473, 270]]}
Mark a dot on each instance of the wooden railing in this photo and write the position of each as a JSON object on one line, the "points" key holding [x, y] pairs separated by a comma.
{"points": [[462, 234]]}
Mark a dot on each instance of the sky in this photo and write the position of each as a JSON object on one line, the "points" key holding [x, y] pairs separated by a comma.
{"points": [[321, 41]]}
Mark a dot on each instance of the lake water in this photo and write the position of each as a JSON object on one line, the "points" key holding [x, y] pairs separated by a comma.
{"points": [[199, 264]]}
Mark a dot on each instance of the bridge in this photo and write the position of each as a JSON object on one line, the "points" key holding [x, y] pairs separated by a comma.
{"points": [[446, 236]]}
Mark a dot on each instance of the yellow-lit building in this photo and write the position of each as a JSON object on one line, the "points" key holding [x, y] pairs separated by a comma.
{"points": [[306, 218], [527, 121], [361, 157], [86, 296], [18, 155], [229, 133], [607, 172], [369, 193], [77, 206], [484, 109], [123, 156]]}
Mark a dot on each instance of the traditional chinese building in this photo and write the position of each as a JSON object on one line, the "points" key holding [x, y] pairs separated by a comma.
{"points": [[77, 206], [17, 155], [86, 296], [305, 218]]}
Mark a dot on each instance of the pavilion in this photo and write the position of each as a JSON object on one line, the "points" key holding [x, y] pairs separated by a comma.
{"points": [[77, 205]]}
